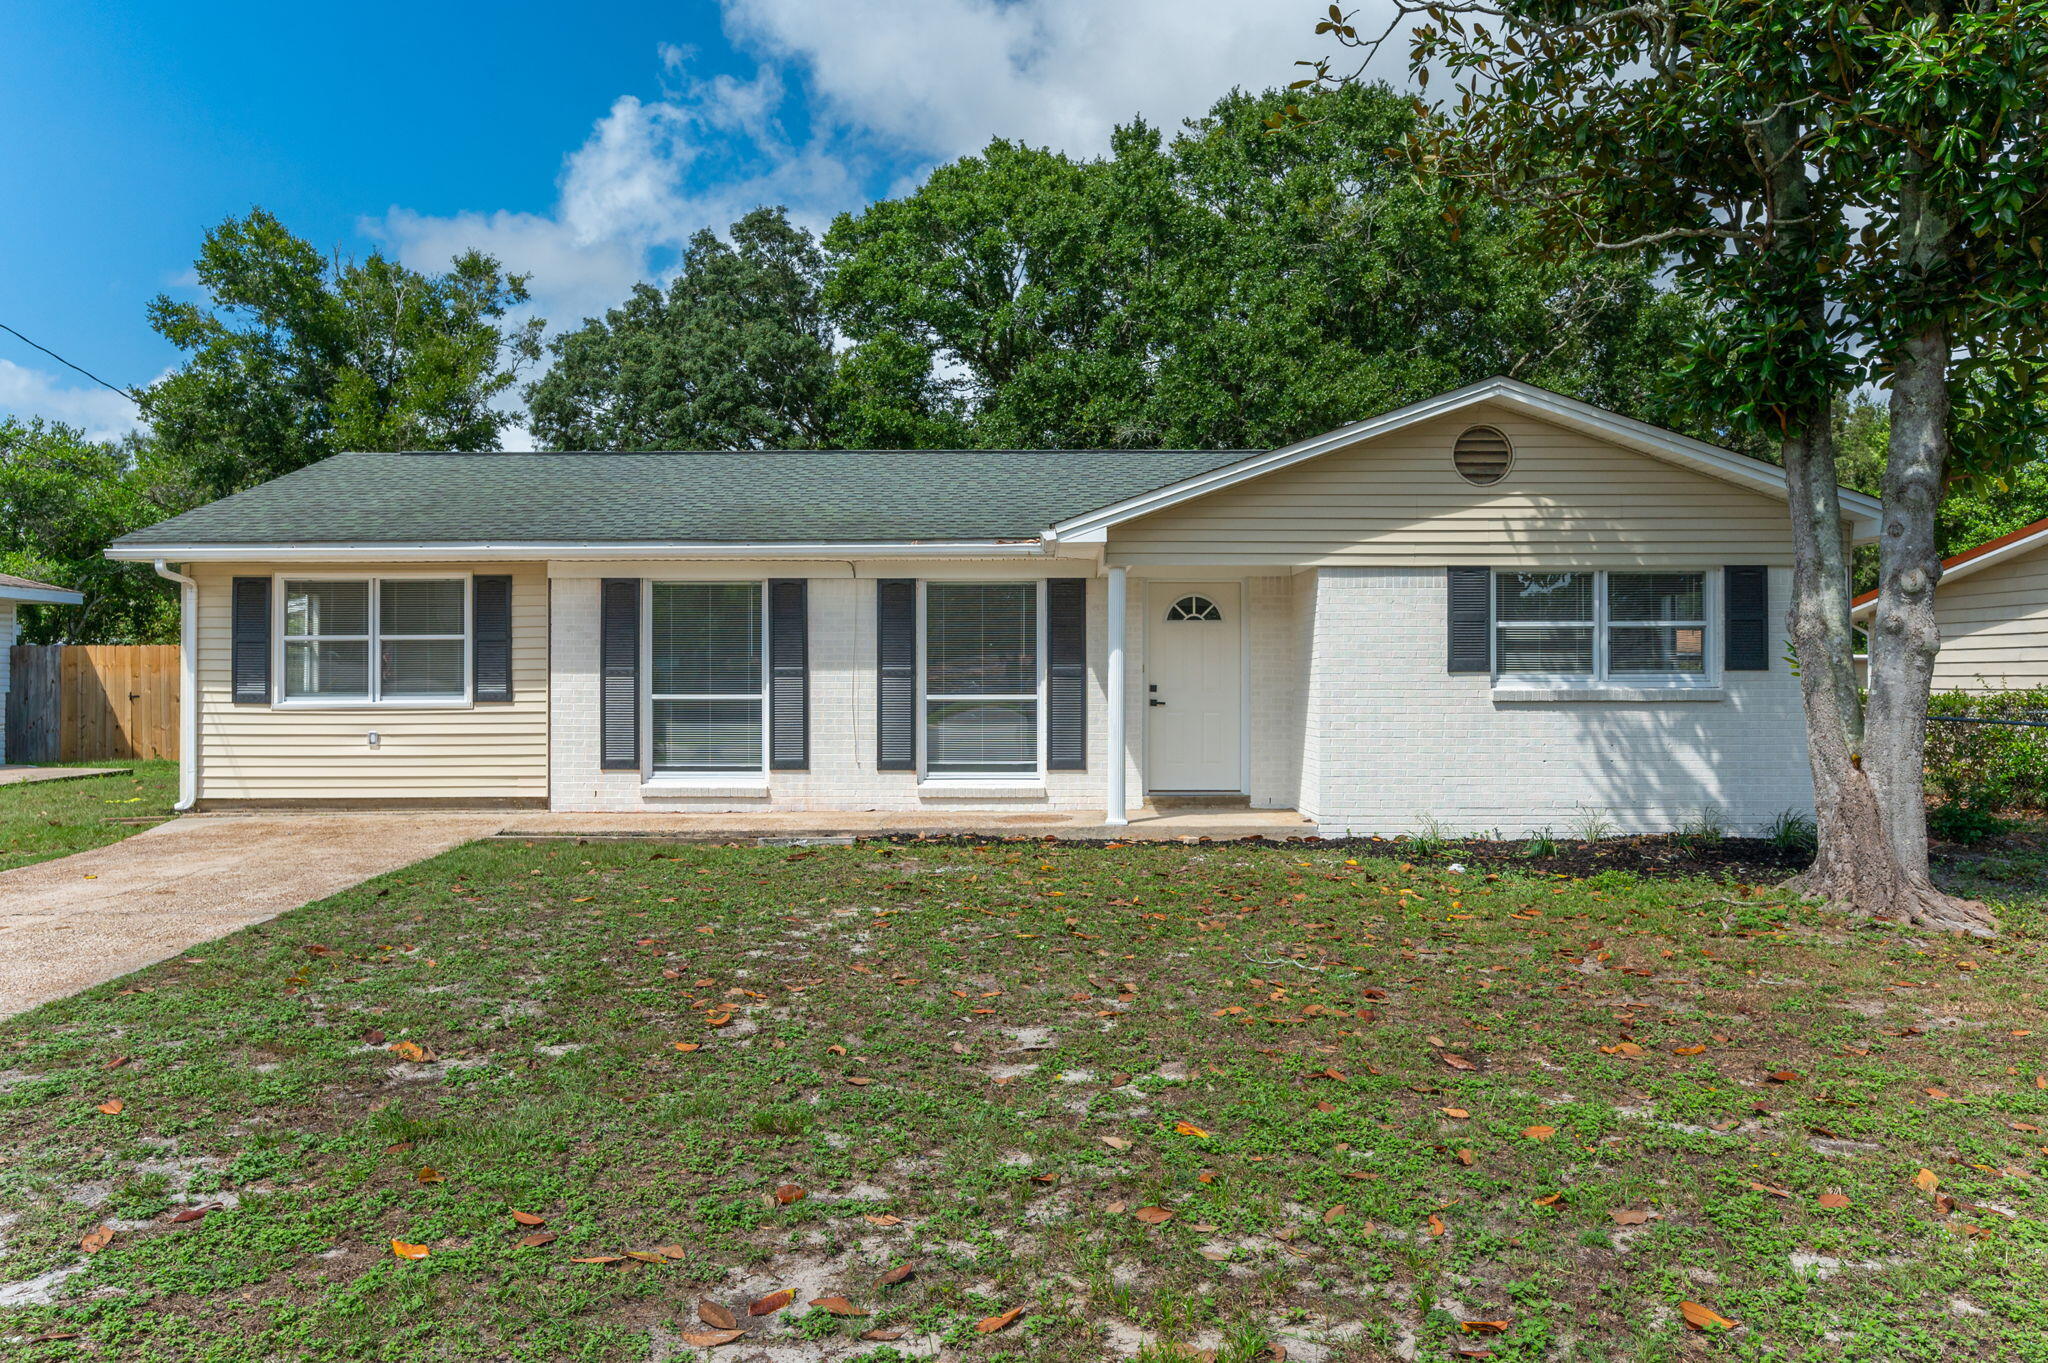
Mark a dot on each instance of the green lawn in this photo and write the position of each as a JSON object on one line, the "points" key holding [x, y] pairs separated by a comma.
{"points": [[1179, 1099], [44, 819]]}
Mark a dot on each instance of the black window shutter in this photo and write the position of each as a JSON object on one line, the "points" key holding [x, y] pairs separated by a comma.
{"points": [[250, 662], [1471, 620], [1066, 674], [490, 622], [1746, 619], [789, 674], [896, 674], [619, 671]]}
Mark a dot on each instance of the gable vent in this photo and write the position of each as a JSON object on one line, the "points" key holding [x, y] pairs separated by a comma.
{"points": [[1482, 455]]}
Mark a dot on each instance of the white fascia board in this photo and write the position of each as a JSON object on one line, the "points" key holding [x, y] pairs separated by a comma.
{"points": [[1969, 565], [453, 553], [1564, 411], [41, 596]]}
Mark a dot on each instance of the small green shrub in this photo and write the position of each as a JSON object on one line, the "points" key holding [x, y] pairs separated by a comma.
{"points": [[1988, 766], [1967, 824], [1540, 843]]}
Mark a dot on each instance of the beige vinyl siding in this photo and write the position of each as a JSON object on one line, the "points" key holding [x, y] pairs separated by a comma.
{"points": [[1994, 627], [1570, 500], [480, 753]]}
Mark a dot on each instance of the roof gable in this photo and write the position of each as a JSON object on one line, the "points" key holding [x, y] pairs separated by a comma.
{"points": [[1597, 422], [2024, 540]]}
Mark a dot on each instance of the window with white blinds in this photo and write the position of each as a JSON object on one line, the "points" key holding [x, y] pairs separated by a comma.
{"points": [[706, 676], [415, 629], [982, 678], [1601, 625]]}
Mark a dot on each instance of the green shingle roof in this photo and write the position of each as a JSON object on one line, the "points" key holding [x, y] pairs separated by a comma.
{"points": [[789, 497]]}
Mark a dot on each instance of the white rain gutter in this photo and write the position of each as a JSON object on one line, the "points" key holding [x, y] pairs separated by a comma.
{"points": [[188, 686], [587, 552]]}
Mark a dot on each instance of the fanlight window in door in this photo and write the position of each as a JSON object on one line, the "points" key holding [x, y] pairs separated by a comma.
{"points": [[1193, 608]]}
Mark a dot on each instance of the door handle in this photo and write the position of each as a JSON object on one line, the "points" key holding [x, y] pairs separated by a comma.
{"points": [[1155, 701]]}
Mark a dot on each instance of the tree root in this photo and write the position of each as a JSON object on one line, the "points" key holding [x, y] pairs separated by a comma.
{"points": [[1886, 896]]}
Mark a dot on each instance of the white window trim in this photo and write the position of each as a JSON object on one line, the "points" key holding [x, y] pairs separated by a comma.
{"points": [[1600, 681], [728, 778], [375, 700], [927, 778]]}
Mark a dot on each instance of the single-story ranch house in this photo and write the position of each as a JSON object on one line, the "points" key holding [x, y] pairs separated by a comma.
{"points": [[1992, 608], [1495, 609]]}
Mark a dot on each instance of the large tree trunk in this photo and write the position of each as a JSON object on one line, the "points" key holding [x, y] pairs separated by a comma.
{"points": [[1852, 865], [1904, 635], [1858, 863]]}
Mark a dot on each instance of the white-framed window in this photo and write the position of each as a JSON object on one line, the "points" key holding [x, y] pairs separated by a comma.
{"points": [[1634, 628], [385, 640], [981, 671], [707, 678]]}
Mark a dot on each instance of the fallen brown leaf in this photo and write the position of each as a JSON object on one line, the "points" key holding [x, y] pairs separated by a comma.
{"points": [[788, 1193], [1539, 1133], [97, 1239], [409, 1251], [770, 1304], [899, 1273], [112, 1107], [1699, 1317], [1833, 1200], [716, 1316], [539, 1237], [838, 1306], [1153, 1216], [709, 1339], [1002, 1322], [885, 1333]]}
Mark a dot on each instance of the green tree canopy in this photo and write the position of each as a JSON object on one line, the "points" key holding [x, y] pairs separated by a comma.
{"points": [[1230, 286], [735, 354], [295, 356], [62, 497]]}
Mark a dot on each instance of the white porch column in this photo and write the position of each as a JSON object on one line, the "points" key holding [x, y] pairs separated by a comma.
{"points": [[1113, 728]]}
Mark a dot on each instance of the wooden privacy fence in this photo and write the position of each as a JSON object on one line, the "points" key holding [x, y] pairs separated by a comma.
{"points": [[92, 702]]}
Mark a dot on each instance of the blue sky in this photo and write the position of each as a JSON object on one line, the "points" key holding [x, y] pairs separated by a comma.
{"points": [[582, 143]]}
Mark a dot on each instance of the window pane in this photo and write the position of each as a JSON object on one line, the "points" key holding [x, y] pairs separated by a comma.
{"points": [[1543, 596], [1656, 596], [330, 669], [327, 608], [422, 667], [1554, 650], [707, 735], [707, 638], [981, 639], [1634, 649], [993, 736], [409, 607]]}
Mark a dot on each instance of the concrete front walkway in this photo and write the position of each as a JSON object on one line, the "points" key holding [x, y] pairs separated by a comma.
{"points": [[1150, 825], [15, 776], [77, 921]]}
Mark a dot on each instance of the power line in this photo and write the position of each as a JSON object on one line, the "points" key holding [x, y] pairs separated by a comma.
{"points": [[68, 365]]}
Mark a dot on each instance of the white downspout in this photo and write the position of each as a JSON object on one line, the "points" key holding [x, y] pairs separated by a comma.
{"points": [[1113, 728], [188, 687]]}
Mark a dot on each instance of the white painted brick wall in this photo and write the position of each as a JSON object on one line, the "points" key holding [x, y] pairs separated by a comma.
{"points": [[1395, 740], [842, 773]]}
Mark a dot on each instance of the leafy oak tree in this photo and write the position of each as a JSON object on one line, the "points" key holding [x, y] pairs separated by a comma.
{"points": [[62, 497], [735, 354], [295, 356], [1226, 286], [1856, 191]]}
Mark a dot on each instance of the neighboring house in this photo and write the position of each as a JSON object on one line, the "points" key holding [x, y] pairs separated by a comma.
{"points": [[1992, 608], [19, 591], [1495, 609]]}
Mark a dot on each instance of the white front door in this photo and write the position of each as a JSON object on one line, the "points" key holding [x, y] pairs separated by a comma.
{"points": [[1194, 687]]}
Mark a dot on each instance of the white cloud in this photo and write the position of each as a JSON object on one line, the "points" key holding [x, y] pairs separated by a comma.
{"points": [[941, 77], [103, 415], [885, 85]]}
